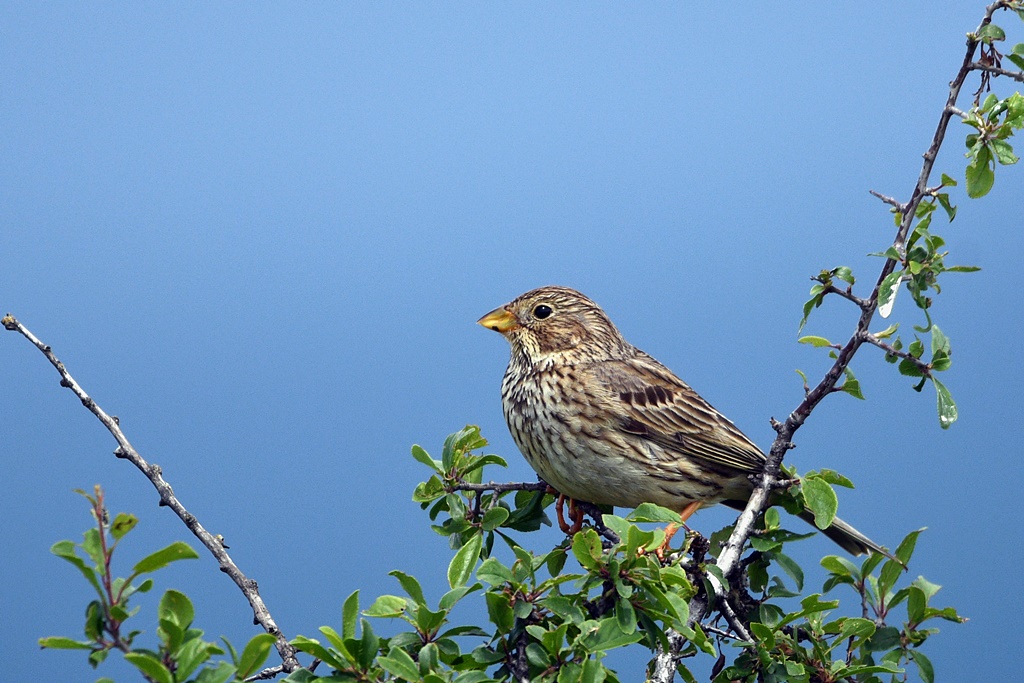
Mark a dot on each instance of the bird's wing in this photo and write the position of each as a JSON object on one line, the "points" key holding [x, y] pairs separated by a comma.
{"points": [[651, 402]]}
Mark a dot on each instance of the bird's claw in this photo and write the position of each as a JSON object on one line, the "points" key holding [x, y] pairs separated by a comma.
{"points": [[575, 514]]}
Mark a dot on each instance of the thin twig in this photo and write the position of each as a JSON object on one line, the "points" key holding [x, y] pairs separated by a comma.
{"points": [[887, 199], [960, 113], [270, 672], [924, 367], [720, 632], [848, 295], [1015, 75], [153, 472], [499, 488]]}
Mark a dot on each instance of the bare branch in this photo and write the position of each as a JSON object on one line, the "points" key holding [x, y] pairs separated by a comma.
{"points": [[1015, 75], [925, 368], [499, 488], [887, 199], [719, 632], [960, 113], [848, 295], [271, 672], [153, 472], [663, 667]]}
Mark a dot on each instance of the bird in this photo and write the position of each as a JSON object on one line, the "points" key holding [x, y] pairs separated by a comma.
{"points": [[603, 422]]}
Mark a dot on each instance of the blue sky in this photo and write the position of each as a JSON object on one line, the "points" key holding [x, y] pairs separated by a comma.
{"points": [[260, 234]]}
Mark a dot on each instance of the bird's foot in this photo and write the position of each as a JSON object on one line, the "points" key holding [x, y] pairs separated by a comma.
{"points": [[575, 514], [672, 528]]}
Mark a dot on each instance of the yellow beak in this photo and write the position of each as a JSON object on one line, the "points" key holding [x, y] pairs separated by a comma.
{"points": [[499, 320]]}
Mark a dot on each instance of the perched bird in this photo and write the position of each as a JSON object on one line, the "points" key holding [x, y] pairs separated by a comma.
{"points": [[602, 422]]}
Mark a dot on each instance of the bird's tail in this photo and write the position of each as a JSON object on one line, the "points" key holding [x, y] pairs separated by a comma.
{"points": [[841, 533], [848, 538]]}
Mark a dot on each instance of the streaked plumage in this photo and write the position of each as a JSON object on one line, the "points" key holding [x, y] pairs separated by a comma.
{"points": [[601, 421]]}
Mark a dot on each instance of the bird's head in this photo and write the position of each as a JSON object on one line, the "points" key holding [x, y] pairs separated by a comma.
{"points": [[552, 323]]}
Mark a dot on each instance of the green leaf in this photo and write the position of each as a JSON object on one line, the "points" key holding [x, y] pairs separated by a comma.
{"points": [[980, 176], [410, 585], [909, 368], [482, 460], [349, 615], [887, 292], [606, 636], [625, 615], [948, 207], [313, 647], [822, 501], [905, 550], [190, 655], [66, 551], [255, 653], [814, 341], [790, 567], [462, 565], [840, 565], [387, 606], [927, 587], [499, 611], [60, 643], [176, 607], [947, 181], [888, 332], [179, 550], [845, 274], [940, 342], [764, 634], [422, 456], [991, 32], [493, 572], [817, 294], [398, 663], [449, 599], [856, 627], [222, 672], [92, 547], [586, 546], [150, 666], [1004, 152], [946, 405], [916, 603], [649, 512], [494, 518], [852, 385], [369, 644], [123, 523], [924, 666], [885, 638]]}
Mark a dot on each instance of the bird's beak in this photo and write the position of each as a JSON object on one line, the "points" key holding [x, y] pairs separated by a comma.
{"points": [[499, 320]]}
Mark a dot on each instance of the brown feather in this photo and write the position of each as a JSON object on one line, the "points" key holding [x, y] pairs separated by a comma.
{"points": [[603, 422]]}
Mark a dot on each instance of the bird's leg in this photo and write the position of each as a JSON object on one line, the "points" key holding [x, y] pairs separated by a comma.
{"points": [[575, 514], [672, 527]]}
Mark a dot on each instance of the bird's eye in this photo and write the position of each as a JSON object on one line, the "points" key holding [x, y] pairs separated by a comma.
{"points": [[541, 312]]}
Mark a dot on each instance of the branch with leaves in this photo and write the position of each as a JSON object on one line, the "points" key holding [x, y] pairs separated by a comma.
{"points": [[625, 585], [181, 650], [153, 472], [914, 258]]}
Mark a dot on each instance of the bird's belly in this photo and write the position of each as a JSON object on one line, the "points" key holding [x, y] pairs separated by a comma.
{"points": [[588, 461]]}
